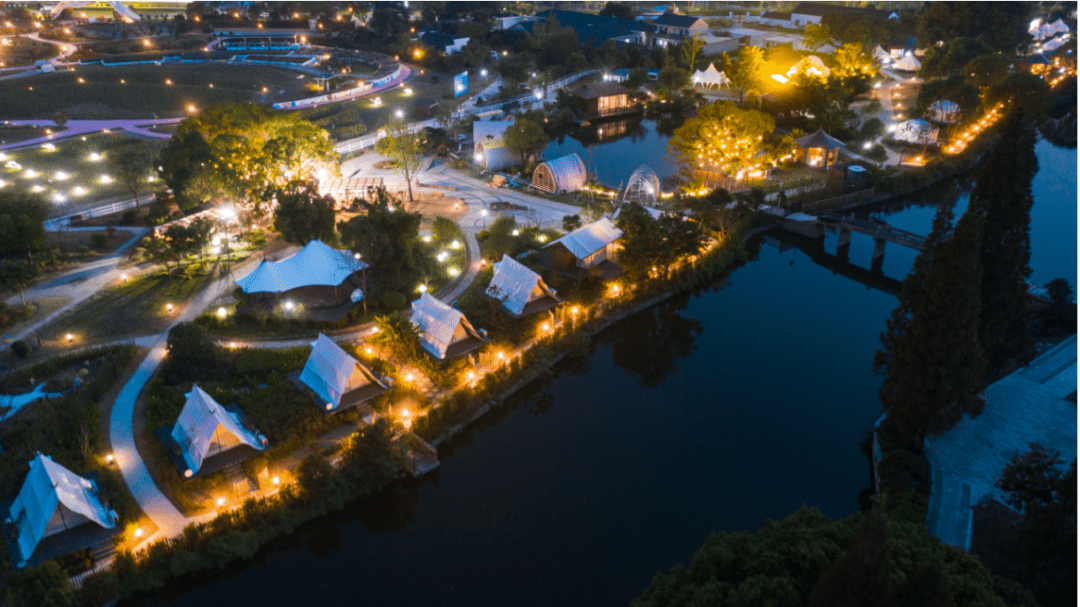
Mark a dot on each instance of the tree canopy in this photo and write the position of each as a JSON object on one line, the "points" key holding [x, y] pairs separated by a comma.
{"points": [[1001, 24], [388, 239], [723, 138], [401, 146], [22, 222], [302, 214], [525, 137]]}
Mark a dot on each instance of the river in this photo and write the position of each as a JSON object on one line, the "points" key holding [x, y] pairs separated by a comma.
{"points": [[715, 410]]}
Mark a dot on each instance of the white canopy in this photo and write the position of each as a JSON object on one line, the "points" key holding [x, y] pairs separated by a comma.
{"points": [[916, 131], [1059, 27], [590, 238], [811, 65], [441, 325], [944, 111], [710, 76], [330, 372], [882, 55], [315, 264], [53, 499], [205, 428], [1055, 44], [516, 285], [908, 63]]}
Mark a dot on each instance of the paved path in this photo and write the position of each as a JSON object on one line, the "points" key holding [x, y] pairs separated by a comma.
{"points": [[74, 128]]}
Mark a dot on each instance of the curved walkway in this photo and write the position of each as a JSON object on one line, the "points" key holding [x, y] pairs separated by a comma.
{"points": [[74, 128]]}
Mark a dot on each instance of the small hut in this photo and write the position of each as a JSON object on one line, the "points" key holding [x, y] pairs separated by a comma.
{"points": [[205, 428], [52, 500], [336, 380], [820, 149], [425, 108], [445, 332], [589, 247], [520, 290], [492, 155], [565, 174], [318, 276], [603, 99]]}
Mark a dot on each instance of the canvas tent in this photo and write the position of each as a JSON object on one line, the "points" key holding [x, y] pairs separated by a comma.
{"points": [[1055, 44], [337, 379], [916, 131], [944, 112], [586, 247], [54, 499], [812, 65], [564, 174], [492, 154], [317, 273], [908, 63], [205, 428], [709, 77], [445, 331], [882, 55], [1059, 27], [520, 290], [821, 149]]}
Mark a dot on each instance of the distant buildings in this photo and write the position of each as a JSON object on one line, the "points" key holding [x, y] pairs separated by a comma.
{"points": [[443, 43], [676, 27], [811, 13], [595, 30]]}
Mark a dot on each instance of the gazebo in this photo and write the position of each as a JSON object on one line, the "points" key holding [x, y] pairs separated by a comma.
{"points": [[821, 149], [520, 290], [565, 174]]}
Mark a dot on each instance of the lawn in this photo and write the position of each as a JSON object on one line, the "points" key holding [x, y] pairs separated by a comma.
{"points": [[36, 309], [70, 170], [24, 51], [343, 120], [141, 91]]}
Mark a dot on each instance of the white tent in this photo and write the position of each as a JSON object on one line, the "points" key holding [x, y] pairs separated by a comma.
{"points": [[1055, 44], [908, 63], [315, 264], [710, 76], [441, 325], [205, 428], [54, 499], [811, 65], [882, 55], [516, 286], [590, 239], [330, 372], [943, 112], [916, 131], [1059, 27], [493, 155]]}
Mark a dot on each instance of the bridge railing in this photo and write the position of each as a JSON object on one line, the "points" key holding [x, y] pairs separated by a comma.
{"points": [[107, 209]]}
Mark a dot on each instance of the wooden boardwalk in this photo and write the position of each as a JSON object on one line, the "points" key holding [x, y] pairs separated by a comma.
{"points": [[878, 230]]}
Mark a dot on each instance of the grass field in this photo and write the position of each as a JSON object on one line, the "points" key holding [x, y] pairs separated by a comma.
{"points": [[24, 51], [140, 91], [74, 163], [342, 119]]}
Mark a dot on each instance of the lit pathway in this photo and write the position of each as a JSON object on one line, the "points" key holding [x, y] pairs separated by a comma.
{"points": [[74, 128]]}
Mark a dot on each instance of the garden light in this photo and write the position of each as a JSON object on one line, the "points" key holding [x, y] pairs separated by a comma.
{"points": [[500, 355], [169, 307], [70, 337], [455, 245], [289, 305], [453, 272], [37, 188], [48, 147], [407, 91], [470, 376], [516, 232], [220, 502], [124, 277], [422, 288], [427, 239], [105, 179], [574, 310], [60, 176], [232, 345], [188, 473], [168, 81], [58, 198], [276, 480], [442, 256], [2, 183], [138, 532], [30, 173], [78, 191], [483, 73], [109, 458], [408, 377], [368, 351], [222, 312], [399, 114], [479, 157], [94, 157], [191, 109]]}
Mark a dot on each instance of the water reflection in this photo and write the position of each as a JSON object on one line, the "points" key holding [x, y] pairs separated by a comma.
{"points": [[650, 343]]}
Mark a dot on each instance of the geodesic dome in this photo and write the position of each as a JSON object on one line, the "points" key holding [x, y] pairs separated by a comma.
{"points": [[644, 186]]}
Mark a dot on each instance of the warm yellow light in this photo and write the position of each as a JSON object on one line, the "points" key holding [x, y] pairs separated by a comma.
{"points": [[500, 355], [138, 532], [368, 351], [220, 502], [70, 337], [169, 307], [408, 377], [276, 480], [109, 458]]}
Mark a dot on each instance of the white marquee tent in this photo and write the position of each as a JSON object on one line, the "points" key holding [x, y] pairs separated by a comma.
{"points": [[330, 372], [516, 286], [315, 264], [882, 55], [54, 499], [811, 65], [442, 326], [205, 428], [709, 77], [908, 63]]}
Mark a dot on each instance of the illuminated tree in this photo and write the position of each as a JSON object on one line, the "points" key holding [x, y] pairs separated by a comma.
{"points": [[690, 49], [817, 35], [854, 61], [746, 75], [401, 145], [724, 139]]}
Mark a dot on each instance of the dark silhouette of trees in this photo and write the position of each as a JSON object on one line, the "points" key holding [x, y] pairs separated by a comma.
{"points": [[303, 214]]}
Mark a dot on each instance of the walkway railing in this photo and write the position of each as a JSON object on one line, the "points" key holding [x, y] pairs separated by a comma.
{"points": [[107, 209]]}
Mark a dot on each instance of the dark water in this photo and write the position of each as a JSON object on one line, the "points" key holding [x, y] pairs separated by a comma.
{"points": [[713, 411], [619, 147]]}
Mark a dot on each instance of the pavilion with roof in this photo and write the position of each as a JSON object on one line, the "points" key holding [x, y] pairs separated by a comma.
{"points": [[820, 149], [318, 276]]}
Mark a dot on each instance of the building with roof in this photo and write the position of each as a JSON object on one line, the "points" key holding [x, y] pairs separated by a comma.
{"points": [[505, 21], [807, 13], [595, 30], [336, 380], [493, 155], [443, 43], [318, 276], [564, 174], [520, 290], [205, 429], [599, 99], [54, 500], [820, 149], [1030, 406], [445, 332], [424, 107], [675, 27], [590, 247], [773, 19]]}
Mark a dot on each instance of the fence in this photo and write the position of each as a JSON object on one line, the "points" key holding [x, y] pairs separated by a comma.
{"points": [[107, 209]]}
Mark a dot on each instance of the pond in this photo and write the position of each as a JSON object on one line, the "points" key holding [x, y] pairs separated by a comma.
{"points": [[713, 411], [613, 149]]}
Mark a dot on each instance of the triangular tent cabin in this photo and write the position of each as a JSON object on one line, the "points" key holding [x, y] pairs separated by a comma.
{"points": [[317, 275], [337, 379], [590, 246], [445, 331], [520, 290], [882, 55], [205, 428], [54, 499], [908, 63]]}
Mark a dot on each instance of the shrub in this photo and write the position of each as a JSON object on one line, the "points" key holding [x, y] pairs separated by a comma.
{"points": [[157, 216], [82, 251], [130, 217], [262, 360], [392, 300], [99, 240], [903, 471], [45, 584], [20, 348], [445, 230], [223, 550]]}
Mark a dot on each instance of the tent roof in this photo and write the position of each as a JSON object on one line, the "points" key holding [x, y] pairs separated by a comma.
{"points": [[908, 63], [315, 264], [590, 238], [198, 421], [513, 284], [439, 322], [330, 372], [709, 75], [46, 487], [819, 139], [568, 171]]}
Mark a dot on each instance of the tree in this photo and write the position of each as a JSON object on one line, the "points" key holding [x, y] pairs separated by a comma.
{"points": [[571, 222], [525, 138], [1021, 90], [671, 79], [389, 240], [45, 585], [617, 9], [132, 163], [817, 35], [745, 75], [303, 214], [1003, 194], [60, 119], [401, 145], [1060, 316], [448, 114], [22, 222], [1031, 479], [689, 50], [721, 138], [17, 274], [370, 457], [500, 237], [1001, 24], [400, 335], [932, 358], [853, 60], [983, 71], [173, 245], [950, 58]]}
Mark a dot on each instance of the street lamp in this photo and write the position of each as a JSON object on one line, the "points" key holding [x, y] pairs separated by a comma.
{"points": [[399, 113]]}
